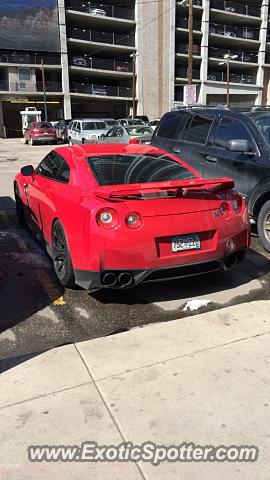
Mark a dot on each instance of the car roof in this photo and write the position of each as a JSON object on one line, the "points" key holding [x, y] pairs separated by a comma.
{"points": [[215, 112], [88, 120]]}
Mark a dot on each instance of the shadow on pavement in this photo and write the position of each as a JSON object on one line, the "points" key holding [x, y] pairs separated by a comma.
{"points": [[27, 281]]}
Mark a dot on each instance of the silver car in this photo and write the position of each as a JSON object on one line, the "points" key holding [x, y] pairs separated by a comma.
{"points": [[86, 130], [130, 121], [135, 134]]}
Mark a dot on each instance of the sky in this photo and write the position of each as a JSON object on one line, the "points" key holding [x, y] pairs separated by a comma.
{"points": [[10, 5]]}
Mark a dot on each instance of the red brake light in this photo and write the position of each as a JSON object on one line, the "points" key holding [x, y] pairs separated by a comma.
{"points": [[133, 220], [107, 218], [134, 141], [237, 203]]}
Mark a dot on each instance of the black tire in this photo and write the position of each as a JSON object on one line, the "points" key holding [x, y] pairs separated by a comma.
{"points": [[32, 142], [19, 207], [263, 225], [61, 256]]}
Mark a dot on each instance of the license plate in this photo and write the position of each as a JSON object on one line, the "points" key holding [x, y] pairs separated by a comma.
{"points": [[186, 242]]}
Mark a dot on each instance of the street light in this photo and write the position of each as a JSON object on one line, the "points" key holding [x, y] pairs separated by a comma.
{"points": [[133, 56], [227, 59]]}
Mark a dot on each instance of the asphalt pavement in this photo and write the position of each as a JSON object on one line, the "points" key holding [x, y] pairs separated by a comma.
{"points": [[37, 313]]}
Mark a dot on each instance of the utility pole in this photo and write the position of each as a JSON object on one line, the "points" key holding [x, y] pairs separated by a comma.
{"points": [[134, 112], [228, 83], [44, 90], [190, 42], [227, 59]]}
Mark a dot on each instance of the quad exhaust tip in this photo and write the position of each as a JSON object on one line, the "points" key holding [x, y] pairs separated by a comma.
{"points": [[109, 279], [124, 279]]}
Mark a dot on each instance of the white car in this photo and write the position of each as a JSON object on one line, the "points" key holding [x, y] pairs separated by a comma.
{"points": [[86, 130], [154, 123], [97, 11]]}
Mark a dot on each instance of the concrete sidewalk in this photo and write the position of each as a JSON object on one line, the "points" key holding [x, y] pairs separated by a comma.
{"points": [[203, 379]]}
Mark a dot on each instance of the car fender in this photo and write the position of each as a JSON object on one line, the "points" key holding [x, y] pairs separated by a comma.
{"points": [[259, 195]]}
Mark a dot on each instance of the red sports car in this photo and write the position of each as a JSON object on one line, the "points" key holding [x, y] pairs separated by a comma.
{"points": [[114, 215], [40, 132]]}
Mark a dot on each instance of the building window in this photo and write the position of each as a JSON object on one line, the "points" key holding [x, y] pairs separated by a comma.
{"points": [[24, 74]]}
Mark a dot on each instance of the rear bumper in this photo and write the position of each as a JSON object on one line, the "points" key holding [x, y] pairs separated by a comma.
{"points": [[91, 279], [48, 138]]}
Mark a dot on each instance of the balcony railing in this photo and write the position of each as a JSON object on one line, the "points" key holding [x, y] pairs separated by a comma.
{"points": [[241, 56], [28, 58], [183, 48], [236, 7], [101, 90], [101, 63], [29, 86], [101, 9], [102, 37], [234, 77], [182, 73], [183, 23], [4, 85], [234, 32]]}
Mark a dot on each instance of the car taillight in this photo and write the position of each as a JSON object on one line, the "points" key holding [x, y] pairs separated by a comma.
{"points": [[133, 220], [237, 203], [224, 209], [134, 141], [107, 218]]}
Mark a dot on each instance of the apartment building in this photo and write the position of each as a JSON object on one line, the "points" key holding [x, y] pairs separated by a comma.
{"points": [[88, 58]]}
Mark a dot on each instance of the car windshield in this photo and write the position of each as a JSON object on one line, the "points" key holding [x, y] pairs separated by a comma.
{"points": [[111, 122], [139, 131], [94, 126], [128, 169], [263, 123], [135, 122], [42, 125]]}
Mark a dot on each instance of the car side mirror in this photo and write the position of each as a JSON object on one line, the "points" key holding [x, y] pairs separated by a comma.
{"points": [[241, 146], [27, 171]]}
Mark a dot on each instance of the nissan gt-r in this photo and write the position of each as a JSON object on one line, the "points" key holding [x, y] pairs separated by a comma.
{"points": [[115, 215]]}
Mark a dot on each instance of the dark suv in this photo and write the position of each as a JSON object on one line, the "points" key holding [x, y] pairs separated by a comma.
{"points": [[220, 142]]}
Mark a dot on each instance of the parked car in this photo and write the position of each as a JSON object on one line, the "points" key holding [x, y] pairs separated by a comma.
{"points": [[61, 130], [130, 121], [222, 142], [154, 123], [79, 61], [122, 68], [113, 216], [97, 11], [86, 130], [111, 122], [99, 90], [135, 134], [39, 132]]}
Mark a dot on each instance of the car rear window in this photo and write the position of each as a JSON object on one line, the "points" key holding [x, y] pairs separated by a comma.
{"points": [[128, 169], [139, 130], [170, 123], [42, 125], [94, 126]]}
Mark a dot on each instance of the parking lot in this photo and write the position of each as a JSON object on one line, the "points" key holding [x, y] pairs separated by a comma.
{"points": [[37, 313]]}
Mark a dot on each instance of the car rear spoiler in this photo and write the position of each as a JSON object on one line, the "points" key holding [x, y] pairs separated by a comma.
{"points": [[139, 189]]}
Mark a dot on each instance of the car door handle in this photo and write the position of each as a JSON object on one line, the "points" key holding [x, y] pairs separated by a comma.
{"points": [[210, 158], [176, 150]]}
